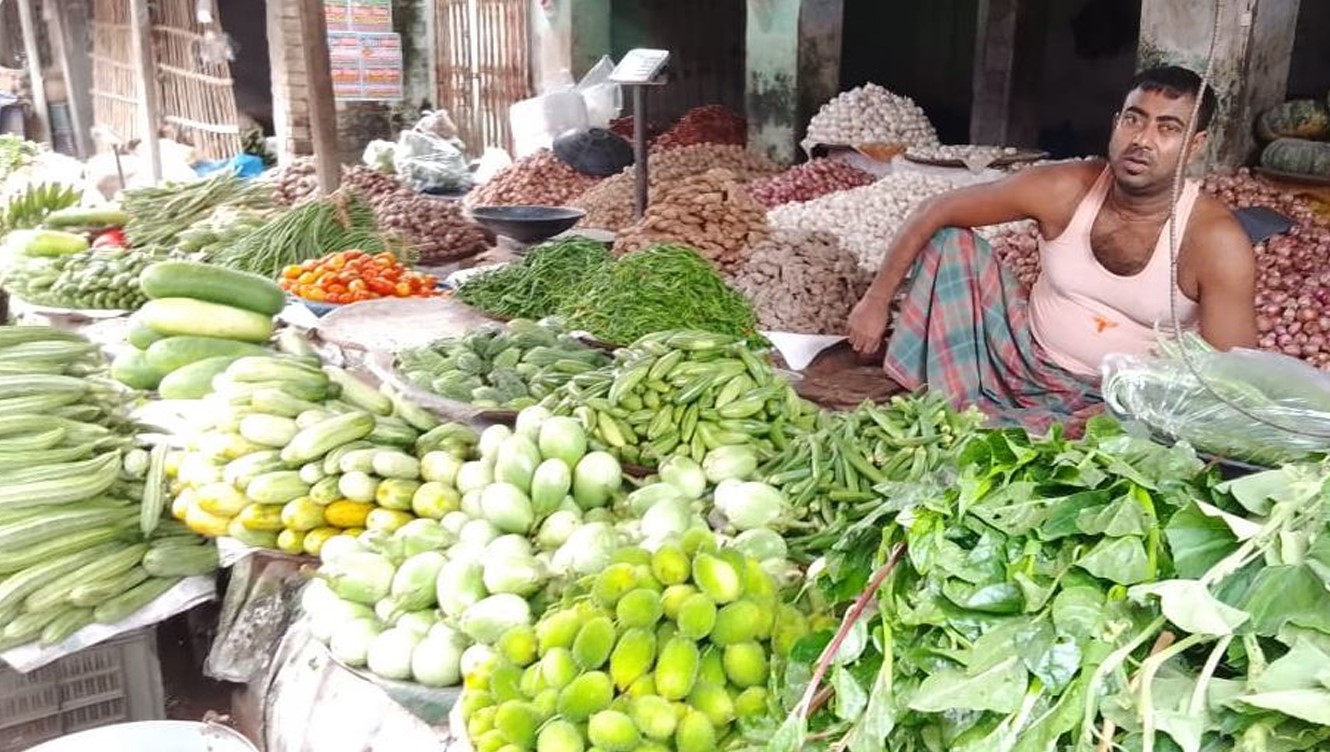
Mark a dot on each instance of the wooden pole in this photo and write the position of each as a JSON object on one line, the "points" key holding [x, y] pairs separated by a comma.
{"points": [[28, 22], [322, 109], [145, 72], [75, 82]]}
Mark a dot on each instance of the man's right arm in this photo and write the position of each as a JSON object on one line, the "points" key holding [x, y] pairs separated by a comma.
{"points": [[1030, 194]]}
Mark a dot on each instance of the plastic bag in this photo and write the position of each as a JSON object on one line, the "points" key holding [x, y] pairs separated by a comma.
{"points": [[604, 100], [430, 164], [380, 155], [438, 123], [1282, 411], [537, 121], [491, 163]]}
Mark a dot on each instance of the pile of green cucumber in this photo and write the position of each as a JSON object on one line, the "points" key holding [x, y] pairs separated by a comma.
{"points": [[199, 319]]}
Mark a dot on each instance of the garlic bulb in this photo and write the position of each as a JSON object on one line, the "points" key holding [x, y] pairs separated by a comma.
{"points": [[870, 114], [865, 219]]}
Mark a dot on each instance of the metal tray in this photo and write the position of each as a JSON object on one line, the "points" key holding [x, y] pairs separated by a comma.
{"points": [[1004, 160]]}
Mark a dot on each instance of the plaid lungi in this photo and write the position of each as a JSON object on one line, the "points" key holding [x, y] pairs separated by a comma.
{"points": [[963, 329]]}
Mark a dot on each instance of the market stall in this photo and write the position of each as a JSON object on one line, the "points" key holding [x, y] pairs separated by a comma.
{"points": [[587, 494]]}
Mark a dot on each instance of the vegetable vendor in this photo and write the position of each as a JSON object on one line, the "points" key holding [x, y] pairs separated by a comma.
{"points": [[966, 327]]}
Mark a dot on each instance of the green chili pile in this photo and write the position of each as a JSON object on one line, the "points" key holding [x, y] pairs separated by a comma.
{"points": [[535, 286], [657, 289]]}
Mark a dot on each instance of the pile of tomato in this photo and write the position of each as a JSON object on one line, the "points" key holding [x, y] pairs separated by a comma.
{"points": [[353, 276]]}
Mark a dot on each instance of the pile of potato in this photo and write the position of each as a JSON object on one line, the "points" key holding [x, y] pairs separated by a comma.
{"points": [[609, 205], [710, 212], [801, 282], [539, 179]]}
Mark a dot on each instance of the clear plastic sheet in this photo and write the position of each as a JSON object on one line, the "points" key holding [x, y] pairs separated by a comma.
{"points": [[428, 163], [1289, 399]]}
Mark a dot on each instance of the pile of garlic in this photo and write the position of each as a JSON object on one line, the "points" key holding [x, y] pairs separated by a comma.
{"points": [[870, 114], [963, 152], [865, 219]]}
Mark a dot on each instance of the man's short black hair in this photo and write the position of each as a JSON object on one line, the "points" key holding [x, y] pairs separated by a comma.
{"points": [[1175, 81]]}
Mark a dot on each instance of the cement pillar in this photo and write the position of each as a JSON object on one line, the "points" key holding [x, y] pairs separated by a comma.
{"points": [[772, 51], [1009, 53], [1251, 60], [820, 37]]}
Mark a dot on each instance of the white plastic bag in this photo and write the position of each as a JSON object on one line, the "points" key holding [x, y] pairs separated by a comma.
{"points": [[426, 162], [604, 100], [491, 163], [537, 121], [379, 155]]}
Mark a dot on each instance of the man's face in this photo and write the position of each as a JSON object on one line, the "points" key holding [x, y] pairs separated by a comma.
{"points": [[1147, 139]]}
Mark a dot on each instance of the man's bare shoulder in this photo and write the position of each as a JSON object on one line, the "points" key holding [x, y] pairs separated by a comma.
{"points": [[1077, 175], [1212, 221], [1221, 239]]}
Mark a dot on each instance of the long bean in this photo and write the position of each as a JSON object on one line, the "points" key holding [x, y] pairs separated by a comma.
{"points": [[311, 230], [159, 214]]}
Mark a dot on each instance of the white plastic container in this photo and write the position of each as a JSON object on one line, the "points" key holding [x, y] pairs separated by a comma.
{"points": [[158, 736]]}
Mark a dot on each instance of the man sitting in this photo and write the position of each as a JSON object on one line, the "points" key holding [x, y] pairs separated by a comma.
{"points": [[967, 328]]}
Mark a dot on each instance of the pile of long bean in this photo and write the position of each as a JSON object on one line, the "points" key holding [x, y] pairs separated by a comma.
{"points": [[159, 214], [662, 288], [844, 471], [535, 286], [309, 231]]}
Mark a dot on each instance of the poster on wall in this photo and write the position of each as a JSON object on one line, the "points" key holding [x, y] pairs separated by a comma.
{"points": [[363, 16], [366, 67]]}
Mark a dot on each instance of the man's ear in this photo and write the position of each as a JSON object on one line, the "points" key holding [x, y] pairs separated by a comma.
{"points": [[1198, 142]]}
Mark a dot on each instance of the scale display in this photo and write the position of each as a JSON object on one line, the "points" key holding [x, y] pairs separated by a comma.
{"points": [[640, 67]]}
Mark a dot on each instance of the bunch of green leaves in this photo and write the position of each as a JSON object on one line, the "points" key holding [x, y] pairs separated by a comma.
{"points": [[536, 285], [1027, 613], [661, 288]]}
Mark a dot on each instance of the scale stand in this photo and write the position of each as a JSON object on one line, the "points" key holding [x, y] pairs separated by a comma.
{"points": [[639, 69]]}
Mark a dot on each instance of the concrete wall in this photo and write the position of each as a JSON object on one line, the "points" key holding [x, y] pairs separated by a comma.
{"points": [[290, 103], [1088, 61], [1251, 64]]}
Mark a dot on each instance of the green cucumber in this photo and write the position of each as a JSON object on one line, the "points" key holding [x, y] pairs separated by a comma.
{"points": [[213, 284], [186, 316], [194, 381], [169, 354], [82, 217], [132, 369], [142, 336]]}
